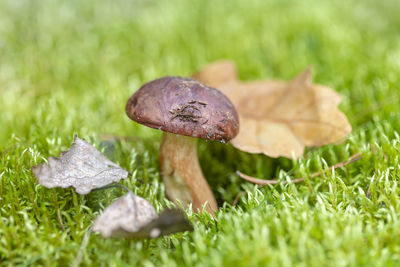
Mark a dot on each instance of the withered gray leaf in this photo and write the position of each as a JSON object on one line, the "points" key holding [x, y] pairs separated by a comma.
{"points": [[134, 217], [82, 166]]}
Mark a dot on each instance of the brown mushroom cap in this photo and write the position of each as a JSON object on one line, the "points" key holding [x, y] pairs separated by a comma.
{"points": [[186, 107]]}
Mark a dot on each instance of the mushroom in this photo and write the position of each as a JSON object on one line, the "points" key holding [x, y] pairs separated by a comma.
{"points": [[184, 109]]}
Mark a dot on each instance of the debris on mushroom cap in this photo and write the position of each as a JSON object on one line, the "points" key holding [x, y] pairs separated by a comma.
{"points": [[186, 107]]}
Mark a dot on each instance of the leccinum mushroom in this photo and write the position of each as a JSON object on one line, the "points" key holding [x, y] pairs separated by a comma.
{"points": [[185, 110]]}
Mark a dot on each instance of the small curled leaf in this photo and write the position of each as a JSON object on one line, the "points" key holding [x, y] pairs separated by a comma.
{"points": [[126, 215], [82, 167], [134, 217]]}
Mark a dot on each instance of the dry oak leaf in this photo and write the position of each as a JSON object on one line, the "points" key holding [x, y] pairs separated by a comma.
{"points": [[131, 216], [279, 118], [82, 166]]}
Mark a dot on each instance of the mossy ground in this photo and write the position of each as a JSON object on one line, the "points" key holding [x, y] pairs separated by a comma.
{"points": [[68, 67]]}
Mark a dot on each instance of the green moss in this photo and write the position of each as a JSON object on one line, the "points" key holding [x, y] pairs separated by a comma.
{"points": [[68, 67]]}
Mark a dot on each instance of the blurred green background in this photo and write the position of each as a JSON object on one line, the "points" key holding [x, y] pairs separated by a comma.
{"points": [[68, 67]]}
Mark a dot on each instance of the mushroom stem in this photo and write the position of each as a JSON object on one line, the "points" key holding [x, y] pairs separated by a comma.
{"points": [[182, 174]]}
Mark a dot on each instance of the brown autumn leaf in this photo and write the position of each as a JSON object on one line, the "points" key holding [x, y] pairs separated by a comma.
{"points": [[131, 216], [82, 166], [279, 118]]}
